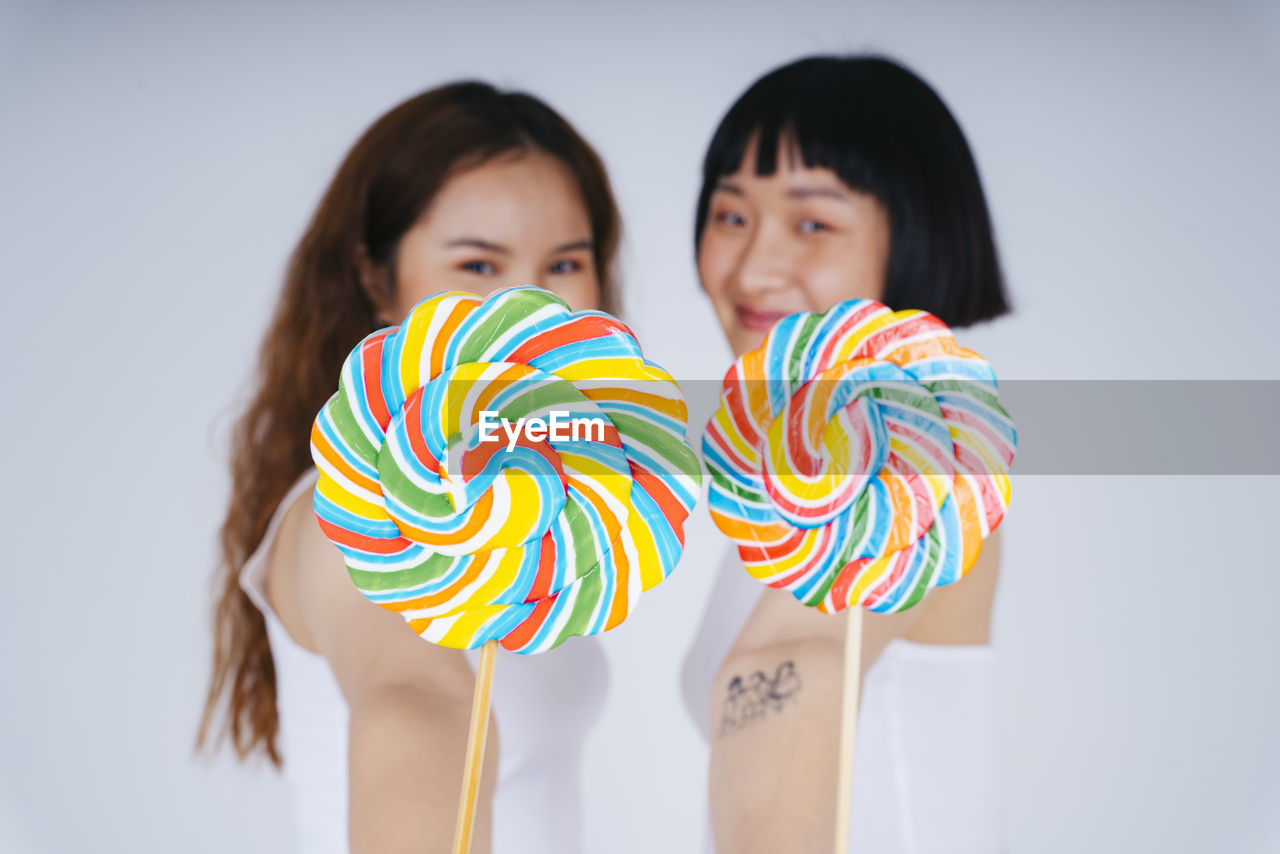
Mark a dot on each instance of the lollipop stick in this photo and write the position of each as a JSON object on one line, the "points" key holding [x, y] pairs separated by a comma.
{"points": [[475, 749], [848, 724]]}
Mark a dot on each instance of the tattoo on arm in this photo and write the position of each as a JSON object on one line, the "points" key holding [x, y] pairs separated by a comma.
{"points": [[751, 697]]}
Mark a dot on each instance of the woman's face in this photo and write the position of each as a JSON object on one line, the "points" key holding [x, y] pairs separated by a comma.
{"points": [[796, 240], [513, 220]]}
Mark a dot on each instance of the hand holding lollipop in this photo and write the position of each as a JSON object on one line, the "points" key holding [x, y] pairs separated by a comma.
{"points": [[859, 457], [525, 540]]}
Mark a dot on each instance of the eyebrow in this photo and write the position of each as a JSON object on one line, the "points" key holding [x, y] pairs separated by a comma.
{"points": [[477, 243], [819, 192], [573, 246], [793, 192], [490, 246]]}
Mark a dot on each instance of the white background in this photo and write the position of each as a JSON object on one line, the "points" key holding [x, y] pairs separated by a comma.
{"points": [[157, 166]]}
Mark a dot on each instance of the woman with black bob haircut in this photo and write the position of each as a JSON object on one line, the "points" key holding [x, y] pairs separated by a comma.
{"points": [[883, 131], [834, 178]]}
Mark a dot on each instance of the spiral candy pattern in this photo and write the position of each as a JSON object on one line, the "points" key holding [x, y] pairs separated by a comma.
{"points": [[859, 457], [472, 540]]}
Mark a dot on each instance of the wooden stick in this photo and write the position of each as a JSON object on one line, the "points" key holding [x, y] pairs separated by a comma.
{"points": [[475, 749], [848, 724]]}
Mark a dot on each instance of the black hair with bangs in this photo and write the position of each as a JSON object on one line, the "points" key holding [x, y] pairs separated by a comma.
{"points": [[883, 131]]}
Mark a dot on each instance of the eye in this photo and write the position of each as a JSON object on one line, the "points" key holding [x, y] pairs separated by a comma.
{"points": [[564, 267], [812, 226], [730, 219], [480, 268]]}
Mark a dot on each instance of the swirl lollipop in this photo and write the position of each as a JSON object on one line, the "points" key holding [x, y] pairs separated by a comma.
{"points": [[859, 457], [472, 540], [523, 537]]}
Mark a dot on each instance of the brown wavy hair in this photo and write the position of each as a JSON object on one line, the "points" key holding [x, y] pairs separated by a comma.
{"points": [[329, 302]]}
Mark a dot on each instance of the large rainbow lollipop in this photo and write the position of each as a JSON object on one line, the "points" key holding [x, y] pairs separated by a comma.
{"points": [[859, 457], [473, 538]]}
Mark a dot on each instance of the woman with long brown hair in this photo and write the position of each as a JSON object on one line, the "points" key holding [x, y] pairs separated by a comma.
{"points": [[463, 187]]}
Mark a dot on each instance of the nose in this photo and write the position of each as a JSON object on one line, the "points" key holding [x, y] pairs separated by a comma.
{"points": [[762, 266], [523, 274], [541, 278]]}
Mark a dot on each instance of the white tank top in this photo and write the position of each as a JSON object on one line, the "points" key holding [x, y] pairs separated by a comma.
{"points": [[544, 706], [926, 760]]}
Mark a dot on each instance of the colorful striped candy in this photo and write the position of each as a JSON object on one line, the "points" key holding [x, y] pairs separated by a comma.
{"points": [[469, 540], [859, 457]]}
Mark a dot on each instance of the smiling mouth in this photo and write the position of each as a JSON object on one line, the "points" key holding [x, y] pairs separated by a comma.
{"points": [[758, 320]]}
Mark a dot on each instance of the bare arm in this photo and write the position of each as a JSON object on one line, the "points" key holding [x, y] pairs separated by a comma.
{"points": [[410, 701], [775, 709]]}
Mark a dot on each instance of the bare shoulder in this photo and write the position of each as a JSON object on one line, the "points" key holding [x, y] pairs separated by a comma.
{"points": [[779, 619], [282, 563], [957, 614], [781, 622], [961, 613], [323, 611]]}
